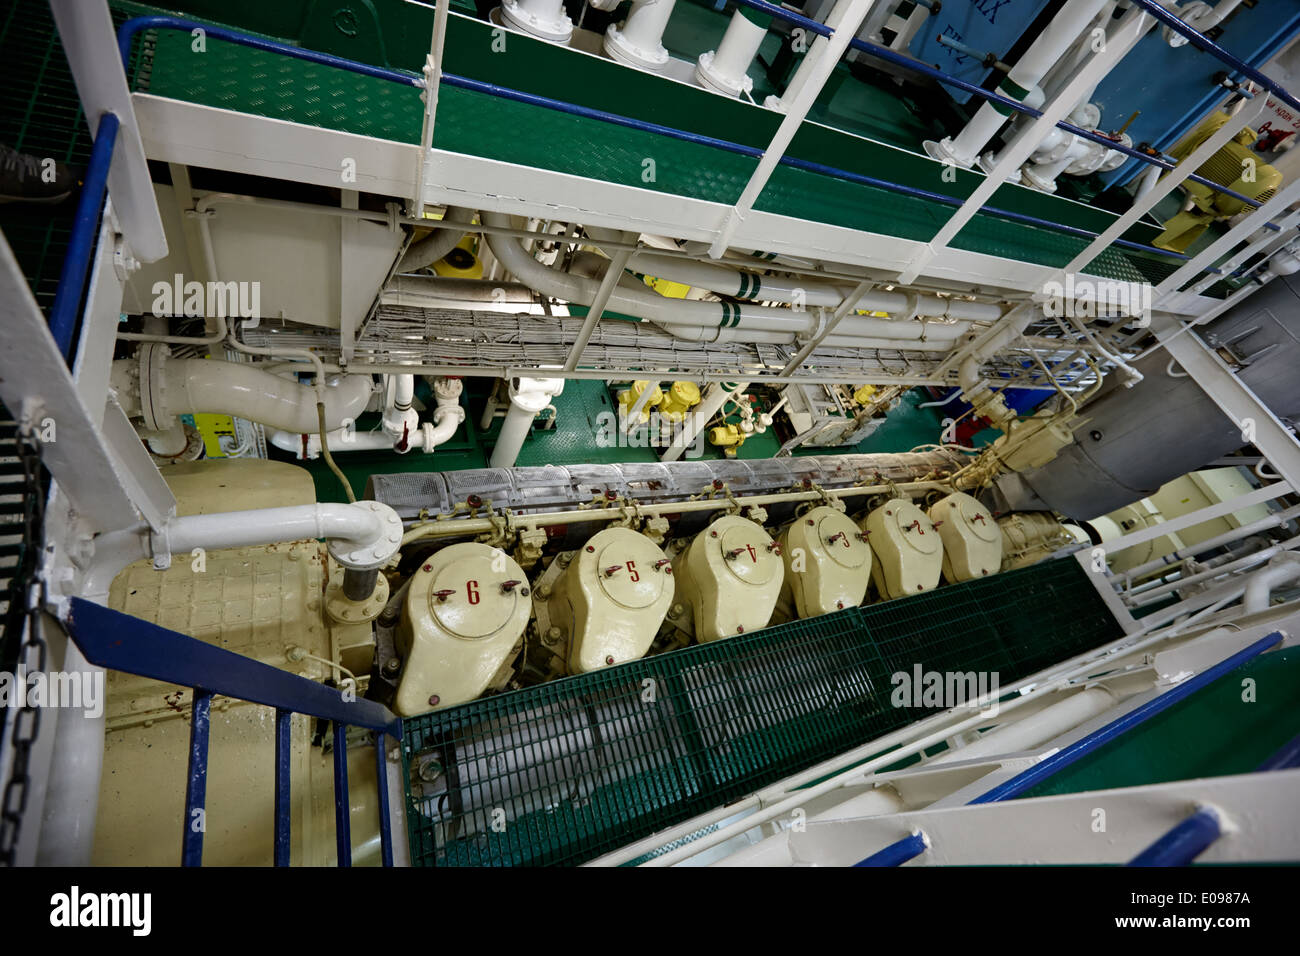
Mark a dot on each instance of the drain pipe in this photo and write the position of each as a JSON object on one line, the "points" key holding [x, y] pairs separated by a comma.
{"points": [[1020, 84], [528, 398], [1282, 569]]}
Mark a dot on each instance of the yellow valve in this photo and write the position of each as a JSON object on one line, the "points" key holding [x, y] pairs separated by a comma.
{"points": [[680, 399], [629, 397], [863, 394], [727, 436], [461, 262]]}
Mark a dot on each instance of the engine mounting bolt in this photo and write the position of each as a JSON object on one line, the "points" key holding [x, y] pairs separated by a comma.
{"points": [[609, 658], [433, 700], [427, 567], [740, 629], [590, 549]]}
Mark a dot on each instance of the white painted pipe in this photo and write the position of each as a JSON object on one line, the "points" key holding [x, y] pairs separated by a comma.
{"points": [[1245, 531], [1035, 729], [425, 252], [197, 386], [1282, 569], [702, 321], [540, 18], [526, 403], [245, 529], [400, 420], [1024, 77], [638, 40], [726, 69]]}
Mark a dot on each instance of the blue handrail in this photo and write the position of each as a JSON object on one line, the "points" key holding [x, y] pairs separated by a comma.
{"points": [[81, 244], [1121, 725], [898, 852], [121, 642], [1184, 843], [135, 25]]}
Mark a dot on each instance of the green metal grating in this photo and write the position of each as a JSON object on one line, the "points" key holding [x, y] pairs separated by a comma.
{"points": [[262, 83], [561, 773]]}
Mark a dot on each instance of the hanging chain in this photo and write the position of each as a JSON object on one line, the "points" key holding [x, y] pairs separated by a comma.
{"points": [[29, 590]]}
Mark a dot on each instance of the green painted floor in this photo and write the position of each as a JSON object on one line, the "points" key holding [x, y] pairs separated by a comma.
{"points": [[1216, 732]]}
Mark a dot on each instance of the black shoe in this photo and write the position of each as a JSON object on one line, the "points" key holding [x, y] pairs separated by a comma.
{"points": [[25, 178]]}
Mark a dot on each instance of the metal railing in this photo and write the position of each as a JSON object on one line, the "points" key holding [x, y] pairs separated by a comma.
{"points": [[136, 25], [118, 641]]}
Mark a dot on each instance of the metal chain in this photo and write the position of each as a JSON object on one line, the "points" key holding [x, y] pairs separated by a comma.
{"points": [[27, 587]]}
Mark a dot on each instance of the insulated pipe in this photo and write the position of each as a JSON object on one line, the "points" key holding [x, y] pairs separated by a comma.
{"points": [[427, 251], [1035, 729], [1282, 569], [721, 321], [1021, 82], [727, 281], [191, 386]]}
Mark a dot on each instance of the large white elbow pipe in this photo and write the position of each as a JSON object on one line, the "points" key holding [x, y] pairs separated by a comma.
{"points": [[173, 387]]}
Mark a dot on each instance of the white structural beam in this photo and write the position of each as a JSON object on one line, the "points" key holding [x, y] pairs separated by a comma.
{"points": [[1257, 422], [89, 42], [113, 484], [180, 132], [1059, 829]]}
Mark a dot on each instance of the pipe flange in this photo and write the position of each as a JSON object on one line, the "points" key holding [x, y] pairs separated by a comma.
{"points": [[374, 554], [620, 48], [720, 82], [559, 30], [153, 390], [343, 610]]}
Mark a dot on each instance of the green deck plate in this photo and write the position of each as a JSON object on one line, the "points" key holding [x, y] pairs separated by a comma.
{"points": [[477, 124], [583, 765], [1213, 733]]}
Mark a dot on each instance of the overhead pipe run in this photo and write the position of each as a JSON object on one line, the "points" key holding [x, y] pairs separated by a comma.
{"points": [[702, 321]]}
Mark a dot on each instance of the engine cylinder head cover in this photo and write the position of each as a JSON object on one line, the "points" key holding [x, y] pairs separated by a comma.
{"points": [[907, 548], [731, 576], [827, 562], [972, 540], [612, 598], [466, 611]]}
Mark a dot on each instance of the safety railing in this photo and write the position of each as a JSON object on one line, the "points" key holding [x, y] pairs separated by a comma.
{"points": [[1181, 844], [118, 641], [131, 28]]}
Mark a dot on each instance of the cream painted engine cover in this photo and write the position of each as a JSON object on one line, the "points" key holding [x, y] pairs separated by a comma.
{"points": [[972, 540], [731, 576], [465, 613], [907, 548], [835, 561], [612, 598]]}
